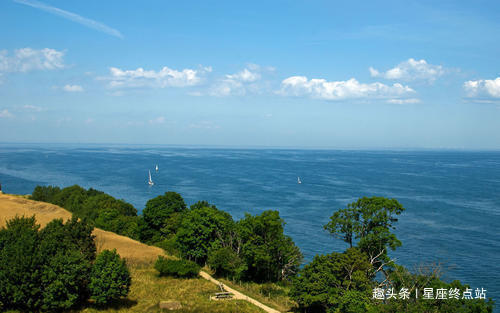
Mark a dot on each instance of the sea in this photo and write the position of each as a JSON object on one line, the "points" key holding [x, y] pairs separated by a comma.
{"points": [[452, 198]]}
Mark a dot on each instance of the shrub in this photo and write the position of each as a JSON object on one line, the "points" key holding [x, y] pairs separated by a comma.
{"points": [[176, 268], [110, 278], [68, 251], [64, 281], [169, 245], [225, 262]]}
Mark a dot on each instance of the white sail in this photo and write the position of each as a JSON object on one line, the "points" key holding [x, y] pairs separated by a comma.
{"points": [[299, 181], [157, 167], [150, 181]]}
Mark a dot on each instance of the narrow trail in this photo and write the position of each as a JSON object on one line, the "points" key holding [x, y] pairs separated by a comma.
{"points": [[238, 295]]}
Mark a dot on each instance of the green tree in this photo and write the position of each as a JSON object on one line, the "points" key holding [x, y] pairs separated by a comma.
{"points": [[226, 262], [161, 216], [110, 278], [336, 282], [64, 280], [45, 193], [45, 270], [268, 253], [428, 277], [71, 198], [20, 262], [368, 222], [202, 228]]}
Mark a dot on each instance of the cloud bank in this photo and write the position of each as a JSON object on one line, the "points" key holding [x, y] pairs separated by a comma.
{"points": [[240, 83], [411, 70], [166, 77], [341, 90], [489, 88], [28, 59]]}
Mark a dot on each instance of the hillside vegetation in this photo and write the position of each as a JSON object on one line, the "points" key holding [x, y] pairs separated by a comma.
{"points": [[147, 287], [133, 251]]}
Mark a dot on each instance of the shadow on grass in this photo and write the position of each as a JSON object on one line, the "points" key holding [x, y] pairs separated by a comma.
{"points": [[124, 303]]}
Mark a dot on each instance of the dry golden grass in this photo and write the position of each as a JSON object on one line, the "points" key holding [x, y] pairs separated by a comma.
{"points": [[11, 205], [133, 251]]}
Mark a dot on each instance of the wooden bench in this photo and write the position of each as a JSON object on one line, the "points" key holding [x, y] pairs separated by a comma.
{"points": [[223, 295]]}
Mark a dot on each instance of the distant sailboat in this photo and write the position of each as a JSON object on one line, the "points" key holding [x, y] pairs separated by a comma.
{"points": [[298, 180], [157, 167], [150, 181]]}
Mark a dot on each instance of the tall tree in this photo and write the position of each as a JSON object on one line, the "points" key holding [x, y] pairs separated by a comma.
{"points": [[336, 282], [161, 216], [203, 228], [368, 222], [269, 254]]}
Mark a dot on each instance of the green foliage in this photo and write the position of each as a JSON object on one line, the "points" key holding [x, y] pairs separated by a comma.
{"points": [[225, 262], [162, 216], [98, 208], [20, 277], [169, 245], [333, 281], [44, 270], [177, 268], [202, 228], [64, 280], [45, 193], [369, 221], [110, 278], [268, 253], [428, 277]]}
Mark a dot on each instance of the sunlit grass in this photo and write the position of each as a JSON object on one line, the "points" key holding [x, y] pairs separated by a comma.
{"points": [[148, 289]]}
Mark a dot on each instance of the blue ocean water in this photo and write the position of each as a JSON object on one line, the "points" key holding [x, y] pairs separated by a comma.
{"points": [[452, 199]]}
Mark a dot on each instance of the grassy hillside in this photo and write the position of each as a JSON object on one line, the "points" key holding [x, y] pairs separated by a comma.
{"points": [[147, 288]]}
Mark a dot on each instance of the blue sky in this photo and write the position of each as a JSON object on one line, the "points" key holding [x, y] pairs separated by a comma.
{"points": [[362, 75]]}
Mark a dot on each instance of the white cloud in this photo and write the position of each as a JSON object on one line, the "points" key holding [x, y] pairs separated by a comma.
{"points": [[32, 108], [340, 90], [166, 77], [404, 101], [5, 113], [27, 59], [73, 88], [158, 120], [239, 83], [411, 70], [72, 17], [483, 88]]}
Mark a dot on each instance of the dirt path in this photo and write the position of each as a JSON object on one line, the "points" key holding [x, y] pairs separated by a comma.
{"points": [[238, 295]]}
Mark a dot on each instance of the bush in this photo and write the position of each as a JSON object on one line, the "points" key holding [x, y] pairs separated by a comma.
{"points": [[177, 268], [225, 262], [169, 245], [64, 281], [110, 278]]}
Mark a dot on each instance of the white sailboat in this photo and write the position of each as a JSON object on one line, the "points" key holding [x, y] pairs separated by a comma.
{"points": [[299, 181], [150, 181], [157, 167]]}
